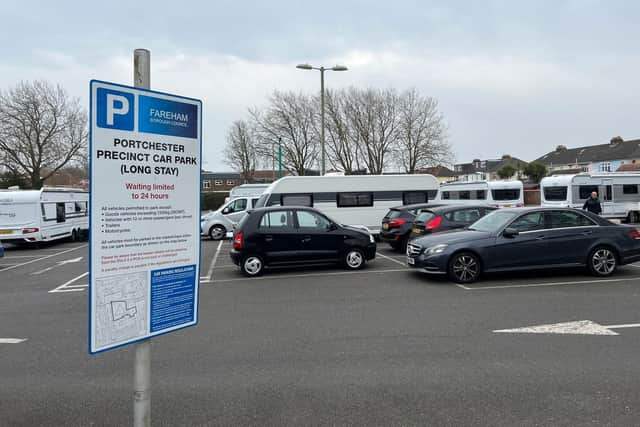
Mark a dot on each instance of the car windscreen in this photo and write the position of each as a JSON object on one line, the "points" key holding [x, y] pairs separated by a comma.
{"points": [[555, 194], [494, 221], [506, 194], [425, 216]]}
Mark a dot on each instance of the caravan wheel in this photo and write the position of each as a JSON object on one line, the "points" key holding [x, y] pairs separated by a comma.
{"points": [[74, 235]]}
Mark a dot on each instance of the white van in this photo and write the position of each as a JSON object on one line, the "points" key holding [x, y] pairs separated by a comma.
{"points": [[501, 194], [47, 214], [219, 223], [619, 192], [361, 200]]}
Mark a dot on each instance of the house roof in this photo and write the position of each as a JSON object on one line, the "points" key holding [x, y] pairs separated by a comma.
{"points": [[619, 150], [220, 175], [438, 171], [491, 165]]}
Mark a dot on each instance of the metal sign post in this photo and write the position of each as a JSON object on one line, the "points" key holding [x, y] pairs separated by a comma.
{"points": [[142, 361], [144, 253]]}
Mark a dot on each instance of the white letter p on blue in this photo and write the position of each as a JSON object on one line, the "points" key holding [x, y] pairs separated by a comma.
{"points": [[122, 110]]}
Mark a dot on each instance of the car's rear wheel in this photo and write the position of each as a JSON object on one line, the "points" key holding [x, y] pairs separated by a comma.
{"points": [[217, 232], [354, 259], [464, 267], [74, 235], [252, 266], [602, 261]]}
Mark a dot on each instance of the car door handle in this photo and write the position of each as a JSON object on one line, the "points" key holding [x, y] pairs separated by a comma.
{"points": [[540, 238], [587, 233], [306, 239], [268, 238]]}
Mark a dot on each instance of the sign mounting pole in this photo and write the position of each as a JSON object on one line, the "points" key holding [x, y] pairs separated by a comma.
{"points": [[142, 361]]}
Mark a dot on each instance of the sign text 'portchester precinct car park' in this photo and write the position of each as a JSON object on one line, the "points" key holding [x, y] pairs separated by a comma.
{"points": [[145, 207]]}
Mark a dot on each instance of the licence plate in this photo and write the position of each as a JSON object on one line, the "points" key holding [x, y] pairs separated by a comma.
{"points": [[385, 226], [411, 261], [6, 231], [507, 206], [416, 230]]}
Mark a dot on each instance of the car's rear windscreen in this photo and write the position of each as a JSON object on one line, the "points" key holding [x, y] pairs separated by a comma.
{"points": [[425, 216]]}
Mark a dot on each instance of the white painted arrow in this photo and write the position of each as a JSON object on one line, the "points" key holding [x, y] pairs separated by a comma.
{"points": [[68, 261], [12, 340], [580, 327]]}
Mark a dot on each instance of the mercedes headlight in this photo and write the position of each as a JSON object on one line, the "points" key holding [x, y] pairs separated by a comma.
{"points": [[435, 249]]}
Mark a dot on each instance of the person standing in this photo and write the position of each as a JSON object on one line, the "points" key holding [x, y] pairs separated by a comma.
{"points": [[592, 204]]}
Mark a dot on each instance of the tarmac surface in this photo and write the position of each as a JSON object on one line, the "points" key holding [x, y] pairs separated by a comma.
{"points": [[322, 346]]}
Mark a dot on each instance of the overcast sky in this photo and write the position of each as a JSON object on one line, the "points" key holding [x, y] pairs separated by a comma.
{"points": [[511, 77]]}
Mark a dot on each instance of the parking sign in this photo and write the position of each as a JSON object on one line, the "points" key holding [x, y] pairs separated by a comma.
{"points": [[145, 151]]}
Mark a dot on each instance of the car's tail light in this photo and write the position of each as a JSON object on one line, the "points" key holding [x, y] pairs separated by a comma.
{"points": [[394, 223], [237, 241], [634, 233], [519, 205], [433, 223], [30, 230]]}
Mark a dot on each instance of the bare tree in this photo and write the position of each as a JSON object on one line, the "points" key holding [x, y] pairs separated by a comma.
{"points": [[41, 129], [290, 119], [372, 114], [422, 133], [241, 150], [343, 149]]}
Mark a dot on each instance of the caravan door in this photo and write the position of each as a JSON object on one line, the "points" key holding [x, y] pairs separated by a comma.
{"points": [[606, 197]]}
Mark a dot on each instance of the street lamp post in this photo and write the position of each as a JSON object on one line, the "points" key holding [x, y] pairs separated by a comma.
{"points": [[323, 168]]}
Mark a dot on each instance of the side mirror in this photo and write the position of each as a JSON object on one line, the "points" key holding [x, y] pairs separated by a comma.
{"points": [[333, 226], [225, 211], [510, 232]]}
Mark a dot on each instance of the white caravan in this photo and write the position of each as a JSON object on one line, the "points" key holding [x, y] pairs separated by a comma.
{"points": [[43, 215], [361, 200], [501, 194], [618, 192]]}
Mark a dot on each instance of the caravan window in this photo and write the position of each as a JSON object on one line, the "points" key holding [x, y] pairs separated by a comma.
{"points": [[350, 200], [481, 194], [446, 195], [630, 189], [586, 190], [506, 194], [465, 195], [297, 200], [413, 197], [555, 194]]}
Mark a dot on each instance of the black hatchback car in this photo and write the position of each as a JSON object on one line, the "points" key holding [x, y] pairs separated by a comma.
{"points": [[525, 239], [447, 217], [398, 222], [277, 236]]}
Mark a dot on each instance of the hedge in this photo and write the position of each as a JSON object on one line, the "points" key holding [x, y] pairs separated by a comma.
{"points": [[213, 200]]}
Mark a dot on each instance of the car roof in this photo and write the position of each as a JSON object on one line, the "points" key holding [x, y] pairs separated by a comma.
{"points": [[279, 208], [415, 206], [455, 207]]}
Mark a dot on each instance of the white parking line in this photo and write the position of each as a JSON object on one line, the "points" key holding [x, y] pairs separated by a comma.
{"points": [[67, 287], [209, 277], [285, 276], [43, 258], [392, 260], [543, 284], [12, 340]]}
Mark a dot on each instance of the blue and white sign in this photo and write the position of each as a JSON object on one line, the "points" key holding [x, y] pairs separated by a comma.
{"points": [[145, 152]]}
